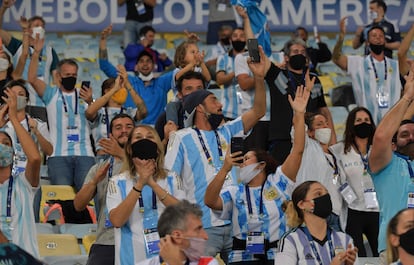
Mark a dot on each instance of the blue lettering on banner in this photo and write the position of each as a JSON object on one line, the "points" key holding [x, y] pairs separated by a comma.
{"points": [[177, 15]]}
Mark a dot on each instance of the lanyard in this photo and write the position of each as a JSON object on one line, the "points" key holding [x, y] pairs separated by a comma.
{"points": [[375, 69], [407, 159], [141, 202], [334, 166], [312, 244], [203, 144], [249, 203], [64, 102], [293, 80], [364, 159], [111, 167], [108, 130], [9, 199]]}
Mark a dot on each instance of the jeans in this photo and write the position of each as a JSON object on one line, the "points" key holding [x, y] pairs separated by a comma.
{"points": [[219, 241], [69, 170], [131, 31]]}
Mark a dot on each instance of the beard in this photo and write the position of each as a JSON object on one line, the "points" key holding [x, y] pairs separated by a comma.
{"points": [[407, 150]]}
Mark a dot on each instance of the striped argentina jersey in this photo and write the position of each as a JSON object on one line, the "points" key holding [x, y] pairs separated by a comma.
{"points": [[100, 127], [365, 85], [295, 248], [59, 121], [247, 97], [187, 163], [129, 239], [276, 190], [231, 96], [21, 230]]}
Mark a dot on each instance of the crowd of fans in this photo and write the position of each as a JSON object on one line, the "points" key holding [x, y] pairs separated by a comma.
{"points": [[169, 182]]}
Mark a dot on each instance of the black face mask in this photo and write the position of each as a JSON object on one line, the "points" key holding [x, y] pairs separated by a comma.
{"points": [[323, 206], [407, 241], [364, 130], [297, 62], [145, 149], [377, 49], [225, 41], [238, 45], [215, 120], [68, 83]]}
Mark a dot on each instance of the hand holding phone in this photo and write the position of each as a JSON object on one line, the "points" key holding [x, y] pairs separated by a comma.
{"points": [[236, 145], [253, 48], [86, 84]]}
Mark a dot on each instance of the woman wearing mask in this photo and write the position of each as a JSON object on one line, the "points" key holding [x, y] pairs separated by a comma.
{"points": [[312, 241], [352, 155], [17, 189], [136, 197], [400, 238], [36, 128], [255, 205], [104, 109], [318, 159]]}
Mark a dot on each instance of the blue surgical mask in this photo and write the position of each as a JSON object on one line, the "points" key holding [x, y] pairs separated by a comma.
{"points": [[6, 155]]}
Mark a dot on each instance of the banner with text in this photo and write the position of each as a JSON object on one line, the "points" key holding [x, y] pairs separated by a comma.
{"points": [[178, 15]]}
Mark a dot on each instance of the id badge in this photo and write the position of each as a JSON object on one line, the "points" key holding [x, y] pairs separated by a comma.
{"points": [[383, 100], [347, 193], [108, 223], [410, 196], [72, 133], [370, 198], [140, 8], [239, 97], [152, 239], [255, 243]]}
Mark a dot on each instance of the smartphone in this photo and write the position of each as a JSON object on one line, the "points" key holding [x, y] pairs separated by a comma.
{"points": [[237, 144], [253, 48], [86, 84]]}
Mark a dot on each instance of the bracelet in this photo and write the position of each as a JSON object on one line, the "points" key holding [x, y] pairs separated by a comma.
{"points": [[165, 196], [137, 190]]}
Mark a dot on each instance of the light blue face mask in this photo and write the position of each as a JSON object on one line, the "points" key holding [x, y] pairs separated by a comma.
{"points": [[6, 155]]}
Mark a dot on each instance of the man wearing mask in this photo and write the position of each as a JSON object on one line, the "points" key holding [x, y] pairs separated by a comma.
{"points": [[377, 10], [47, 66], [69, 129], [182, 237], [316, 55], [225, 75], [132, 51], [283, 82], [375, 78], [196, 153], [152, 90], [222, 46], [390, 161]]}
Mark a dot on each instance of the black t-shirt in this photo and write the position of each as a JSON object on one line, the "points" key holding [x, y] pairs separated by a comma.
{"points": [[132, 11], [281, 83]]}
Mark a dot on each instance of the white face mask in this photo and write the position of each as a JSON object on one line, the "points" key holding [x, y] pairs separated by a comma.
{"points": [[373, 15], [247, 173], [4, 64], [323, 135], [196, 249], [38, 30], [146, 78], [21, 102]]}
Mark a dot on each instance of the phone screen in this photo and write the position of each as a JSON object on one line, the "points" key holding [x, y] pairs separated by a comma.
{"points": [[86, 84], [253, 47]]}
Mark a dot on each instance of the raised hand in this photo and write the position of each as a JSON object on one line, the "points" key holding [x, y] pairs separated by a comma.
{"points": [[241, 11], [232, 159], [301, 99], [342, 25], [11, 101], [24, 23], [3, 114], [409, 84], [106, 32], [191, 36], [8, 3], [145, 169], [38, 43], [309, 82], [259, 68]]}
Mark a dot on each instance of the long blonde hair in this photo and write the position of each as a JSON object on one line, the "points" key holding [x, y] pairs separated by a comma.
{"points": [[128, 162]]}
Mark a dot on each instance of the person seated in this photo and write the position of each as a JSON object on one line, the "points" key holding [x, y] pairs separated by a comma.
{"points": [[400, 238], [132, 51], [311, 239], [182, 236]]}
